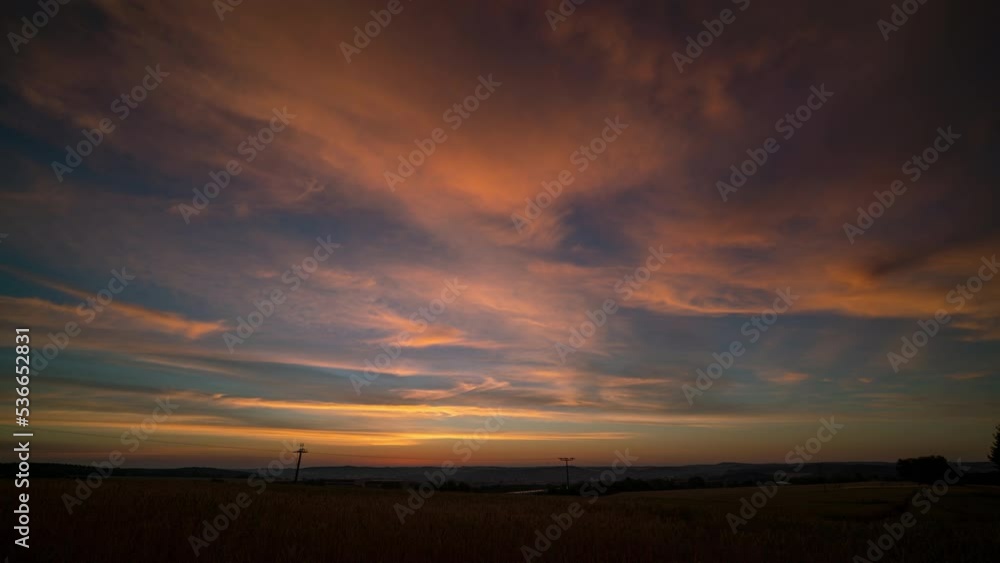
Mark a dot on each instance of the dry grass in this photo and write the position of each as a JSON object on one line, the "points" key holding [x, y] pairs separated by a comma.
{"points": [[150, 521]]}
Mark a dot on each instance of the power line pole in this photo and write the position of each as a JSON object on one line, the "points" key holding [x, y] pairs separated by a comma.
{"points": [[567, 460], [302, 450]]}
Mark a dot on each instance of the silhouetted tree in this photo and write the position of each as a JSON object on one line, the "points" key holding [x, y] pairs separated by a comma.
{"points": [[696, 483], [452, 485], [659, 484], [925, 469], [995, 450]]}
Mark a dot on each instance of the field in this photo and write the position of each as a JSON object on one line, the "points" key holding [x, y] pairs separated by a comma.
{"points": [[137, 520]]}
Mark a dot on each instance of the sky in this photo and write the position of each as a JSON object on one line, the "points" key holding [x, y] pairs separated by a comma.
{"points": [[414, 219]]}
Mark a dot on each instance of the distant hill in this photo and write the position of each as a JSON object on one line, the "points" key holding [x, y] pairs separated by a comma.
{"points": [[720, 473], [61, 470]]}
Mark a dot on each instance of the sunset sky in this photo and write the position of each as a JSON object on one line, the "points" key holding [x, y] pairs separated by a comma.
{"points": [[337, 127]]}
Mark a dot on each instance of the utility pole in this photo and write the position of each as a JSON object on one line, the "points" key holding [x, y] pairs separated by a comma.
{"points": [[567, 460], [302, 450]]}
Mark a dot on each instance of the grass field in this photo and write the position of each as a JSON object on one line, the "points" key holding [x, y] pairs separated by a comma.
{"points": [[128, 520]]}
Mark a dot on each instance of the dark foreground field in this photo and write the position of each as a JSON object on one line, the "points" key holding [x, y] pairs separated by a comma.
{"points": [[151, 521]]}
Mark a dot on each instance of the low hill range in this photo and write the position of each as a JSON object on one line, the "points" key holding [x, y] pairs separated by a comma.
{"points": [[720, 473]]}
